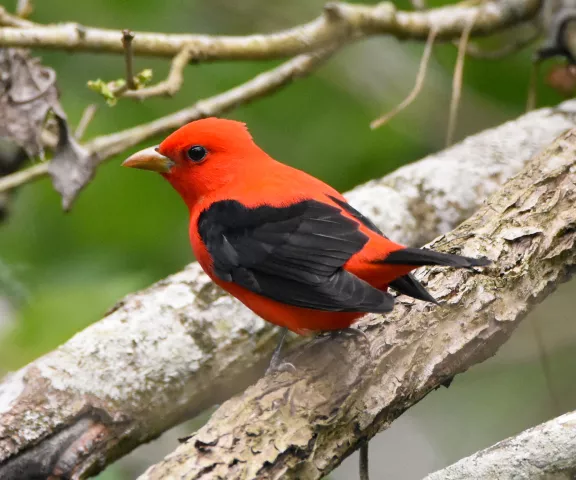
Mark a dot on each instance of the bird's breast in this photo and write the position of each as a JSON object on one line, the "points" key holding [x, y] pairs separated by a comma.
{"points": [[198, 247]]}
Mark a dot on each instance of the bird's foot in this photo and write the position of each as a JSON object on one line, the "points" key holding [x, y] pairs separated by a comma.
{"points": [[281, 367]]}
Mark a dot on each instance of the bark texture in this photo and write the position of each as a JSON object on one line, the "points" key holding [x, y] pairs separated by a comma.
{"points": [[165, 354], [302, 422], [546, 451]]}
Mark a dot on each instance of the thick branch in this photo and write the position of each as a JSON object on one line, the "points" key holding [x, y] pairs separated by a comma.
{"points": [[301, 423], [340, 23], [166, 353], [546, 451]]}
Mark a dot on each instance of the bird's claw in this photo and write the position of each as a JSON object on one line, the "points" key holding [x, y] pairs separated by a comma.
{"points": [[282, 367]]}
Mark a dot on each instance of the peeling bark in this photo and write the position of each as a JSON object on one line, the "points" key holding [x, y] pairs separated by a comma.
{"points": [[547, 451], [301, 423], [165, 354]]}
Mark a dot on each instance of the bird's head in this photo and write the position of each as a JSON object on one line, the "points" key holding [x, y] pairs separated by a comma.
{"points": [[202, 156]]}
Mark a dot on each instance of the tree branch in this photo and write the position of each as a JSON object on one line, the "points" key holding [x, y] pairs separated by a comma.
{"points": [[300, 424], [420, 77], [127, 38], [87, 117], [457, 82], [545, 451], [169, 86], [9, 20], [164, 354], [105, 147], [339, 24]]}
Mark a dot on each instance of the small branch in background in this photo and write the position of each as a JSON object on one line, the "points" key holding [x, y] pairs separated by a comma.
{"points": [[417, 87], [8, 20], [354, 22], [14, 180], [364, 463], [24, 8], [115, 89], [263, 84], [127, 37], [543, 452], [418, 5], [112, 91], [173, 82], [85, 120], [457, 81]]}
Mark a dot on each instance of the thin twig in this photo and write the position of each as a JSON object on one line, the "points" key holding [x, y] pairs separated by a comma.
{"points": [[109, 145], [457, 80], [85, 120], [364, 463], [418, 5], [351, 23], [8, 20], [14, 180], [24, 8], [127, 37], [173, 82], [417, 87]]}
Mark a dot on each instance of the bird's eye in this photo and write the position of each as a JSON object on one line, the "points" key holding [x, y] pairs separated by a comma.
{"points": [[197, 153]]}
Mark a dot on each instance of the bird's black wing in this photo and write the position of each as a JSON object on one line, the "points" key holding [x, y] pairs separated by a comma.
{"points": [[291, 254], [407, 285]]}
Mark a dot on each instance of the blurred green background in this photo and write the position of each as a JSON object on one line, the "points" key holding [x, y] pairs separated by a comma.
{"points": [[60, 272]]}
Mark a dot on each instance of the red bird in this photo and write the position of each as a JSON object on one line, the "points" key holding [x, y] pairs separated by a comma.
{"points": [[284, 243]]}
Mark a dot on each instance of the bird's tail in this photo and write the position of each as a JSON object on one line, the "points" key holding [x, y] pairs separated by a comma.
{"points": [[408, 285], [419, 257]]}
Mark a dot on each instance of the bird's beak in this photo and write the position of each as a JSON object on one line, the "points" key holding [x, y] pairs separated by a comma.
{"points": [[149, 159]]}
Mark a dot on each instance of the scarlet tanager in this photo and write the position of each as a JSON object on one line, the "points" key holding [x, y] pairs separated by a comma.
{"points": [[284, 243]]}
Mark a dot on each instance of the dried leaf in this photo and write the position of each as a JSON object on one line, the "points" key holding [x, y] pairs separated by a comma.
{"points": [[72, 166], [28, 94]]}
